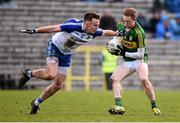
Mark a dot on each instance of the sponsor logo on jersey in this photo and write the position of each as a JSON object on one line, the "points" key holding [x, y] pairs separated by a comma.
{"points": [[83, 37], [128, 44]]}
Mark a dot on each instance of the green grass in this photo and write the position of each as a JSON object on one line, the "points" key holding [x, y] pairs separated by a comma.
{"points": [[88, 106]]}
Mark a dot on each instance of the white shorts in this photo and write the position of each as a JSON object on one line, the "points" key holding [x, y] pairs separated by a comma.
{"points": [[61, 69], [132, 65]]}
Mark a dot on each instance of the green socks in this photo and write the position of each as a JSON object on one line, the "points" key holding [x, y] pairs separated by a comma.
{"points": [[118, 101]]}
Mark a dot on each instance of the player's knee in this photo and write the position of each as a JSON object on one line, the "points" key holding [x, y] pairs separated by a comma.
{"points": [[50, 76], [57, 87], [113, 79], [145, 81]]}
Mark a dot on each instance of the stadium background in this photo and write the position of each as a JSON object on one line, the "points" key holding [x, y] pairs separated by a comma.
{"points": [[18, 51]]}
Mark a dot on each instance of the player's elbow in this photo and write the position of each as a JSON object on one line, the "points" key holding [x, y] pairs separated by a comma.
{"points": [[141, 53], [140, 56]]}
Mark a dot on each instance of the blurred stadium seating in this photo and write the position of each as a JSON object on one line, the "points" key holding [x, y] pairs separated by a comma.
{"points": [[18, 51]]}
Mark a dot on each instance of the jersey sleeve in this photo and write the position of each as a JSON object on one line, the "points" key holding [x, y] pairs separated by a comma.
{"points": [[140, 36], [99, 32], [70, 25], [141, 39]]}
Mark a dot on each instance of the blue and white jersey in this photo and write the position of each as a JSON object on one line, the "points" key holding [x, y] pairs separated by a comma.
{"points": [[72, 36]]}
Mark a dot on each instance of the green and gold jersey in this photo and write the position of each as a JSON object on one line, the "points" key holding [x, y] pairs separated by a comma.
{"points": [[133, 39]]}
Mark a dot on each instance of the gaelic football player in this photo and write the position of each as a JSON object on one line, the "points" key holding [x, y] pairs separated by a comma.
{"points": [[70, 35], [134, 60]]}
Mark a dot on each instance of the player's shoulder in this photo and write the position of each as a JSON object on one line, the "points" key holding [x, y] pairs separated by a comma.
{"points": [[139, 29], [71, 25], [74, 20]]}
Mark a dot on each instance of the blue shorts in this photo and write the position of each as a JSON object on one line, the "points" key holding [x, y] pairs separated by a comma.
{"points": [[53, 51]]}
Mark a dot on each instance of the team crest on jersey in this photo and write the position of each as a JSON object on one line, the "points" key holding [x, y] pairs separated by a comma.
{"points": [[130, 38]]}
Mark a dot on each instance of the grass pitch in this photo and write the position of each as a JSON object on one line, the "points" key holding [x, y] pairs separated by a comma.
{"points": [[80, 106]]}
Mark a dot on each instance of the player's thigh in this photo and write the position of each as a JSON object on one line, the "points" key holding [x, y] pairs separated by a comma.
{"points": [[142, 71], [52, 65], [120, 73]]}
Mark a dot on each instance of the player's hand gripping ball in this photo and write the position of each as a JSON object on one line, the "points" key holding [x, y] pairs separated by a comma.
{"points": [[115, 47]]}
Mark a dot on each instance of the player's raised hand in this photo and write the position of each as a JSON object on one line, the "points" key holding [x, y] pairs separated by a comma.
{"points": [[28, 31]]}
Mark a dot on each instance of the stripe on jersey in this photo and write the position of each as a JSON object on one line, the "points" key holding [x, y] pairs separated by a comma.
{"points": [[140, 37], [76, 25]]}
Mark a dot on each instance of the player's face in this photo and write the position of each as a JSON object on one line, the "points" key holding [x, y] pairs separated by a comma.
{"points": [[91, 26], [129, 22]]}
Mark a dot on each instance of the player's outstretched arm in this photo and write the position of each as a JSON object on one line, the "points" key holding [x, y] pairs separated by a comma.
{"points": [[43, 29], [113, 33], [109, 33]]}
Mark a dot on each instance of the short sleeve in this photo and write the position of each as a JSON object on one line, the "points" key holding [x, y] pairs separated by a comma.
{"points": [[71, 25], [141, 39], [99, 32]]}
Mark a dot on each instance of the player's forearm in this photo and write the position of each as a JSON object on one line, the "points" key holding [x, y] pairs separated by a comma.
{"points": [[137, 55], [109, 33], [48, 29]]}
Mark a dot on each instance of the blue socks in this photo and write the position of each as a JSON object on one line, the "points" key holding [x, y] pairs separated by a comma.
{"points": [[38, 101]]}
